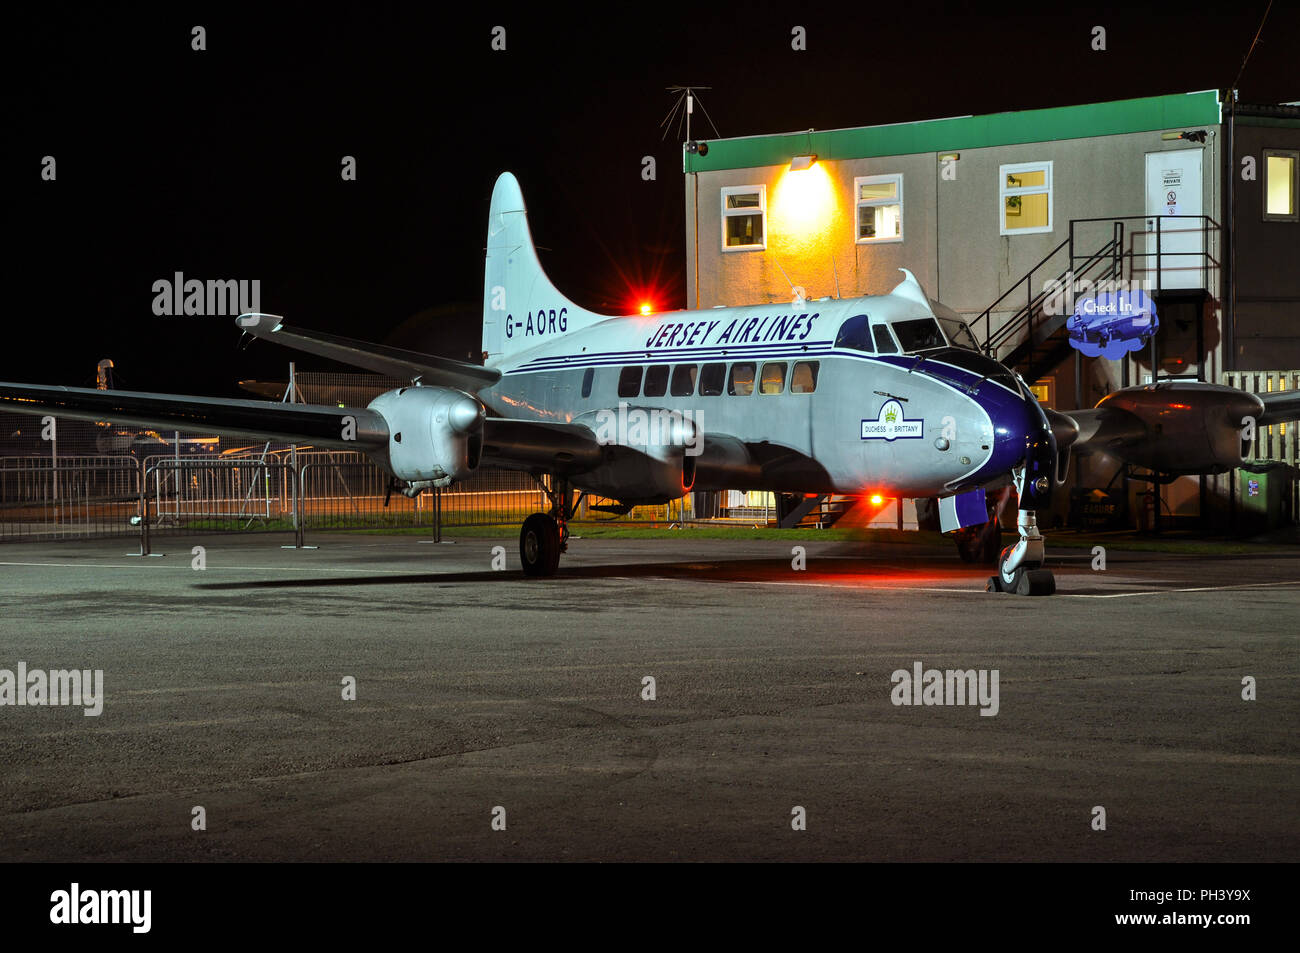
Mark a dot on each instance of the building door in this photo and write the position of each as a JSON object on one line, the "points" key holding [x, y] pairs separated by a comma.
{"points": [[1173, 188]]}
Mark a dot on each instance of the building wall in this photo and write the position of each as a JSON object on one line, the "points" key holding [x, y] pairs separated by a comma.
{"points": [[1267, 260], [951, 237]]}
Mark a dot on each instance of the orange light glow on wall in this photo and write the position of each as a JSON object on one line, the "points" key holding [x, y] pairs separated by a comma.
{"points": [[803, 204]]}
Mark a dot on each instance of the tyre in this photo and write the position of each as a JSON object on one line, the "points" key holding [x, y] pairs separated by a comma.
{"points": [[539, 545]]}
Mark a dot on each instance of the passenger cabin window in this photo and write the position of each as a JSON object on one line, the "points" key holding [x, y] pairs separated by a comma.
{"points": [[744, 207], [855, 334], [803, 379], [741, 382], [656, 380], [773, 379], [884, 343], [1026, 198], [587, 377], [629, 382], [683, 380], [712, 377], [921, 334], [880, 208]]}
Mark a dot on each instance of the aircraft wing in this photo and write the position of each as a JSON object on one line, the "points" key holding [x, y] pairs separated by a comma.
{"points": [[263, 419], [536, 446], [392, 361], [1107, 429]]}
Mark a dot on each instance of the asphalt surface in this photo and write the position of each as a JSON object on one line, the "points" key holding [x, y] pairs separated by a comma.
{"points": [[478, 689]]}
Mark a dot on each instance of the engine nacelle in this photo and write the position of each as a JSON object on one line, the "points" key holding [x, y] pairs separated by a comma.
{"points": [[1191, 427], [649, 454], [435, 434]]}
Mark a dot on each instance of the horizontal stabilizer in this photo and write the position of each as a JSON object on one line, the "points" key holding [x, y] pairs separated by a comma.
{"points": [[261, 419], [392, 361]]}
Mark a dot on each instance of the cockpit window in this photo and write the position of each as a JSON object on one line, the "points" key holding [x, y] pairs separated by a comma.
{"points": [[855, 333], [959, 334], [884, 341], [921, 334]]}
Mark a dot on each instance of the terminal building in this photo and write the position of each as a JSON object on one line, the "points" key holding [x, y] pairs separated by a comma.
{"points": [[1191, 197]]}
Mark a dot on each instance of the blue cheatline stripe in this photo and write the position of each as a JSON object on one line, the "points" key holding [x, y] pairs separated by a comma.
{"points": [[632, 356], [959, 375]]}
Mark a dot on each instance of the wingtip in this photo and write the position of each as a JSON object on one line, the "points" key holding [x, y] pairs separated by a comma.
{"points": [[254, 322]]}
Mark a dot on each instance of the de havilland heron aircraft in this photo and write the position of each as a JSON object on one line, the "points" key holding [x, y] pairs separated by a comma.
{"points": [[884, 394]]}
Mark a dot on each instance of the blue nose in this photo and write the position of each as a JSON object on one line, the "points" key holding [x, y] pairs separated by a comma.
{"points": [[1020, 433]]}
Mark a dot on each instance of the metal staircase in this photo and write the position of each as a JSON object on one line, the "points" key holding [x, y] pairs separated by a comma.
{"points": [[1034, 339], [819, 511]]}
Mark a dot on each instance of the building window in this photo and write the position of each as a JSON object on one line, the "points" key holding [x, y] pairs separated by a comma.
{"points": [[1025, 198], [1280, 185], [741, 383], [773, 379], [803, 379], [744, 207], [880, 208], [629, 382]]}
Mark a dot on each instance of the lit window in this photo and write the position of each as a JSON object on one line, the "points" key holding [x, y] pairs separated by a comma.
{"points": [[683, 380], [880, 208], [712, 377], [1280, 185], [803, 379], [743, 209], [1025, 198], [629, 382], [773, 379], [741, 383], [656, 380]]}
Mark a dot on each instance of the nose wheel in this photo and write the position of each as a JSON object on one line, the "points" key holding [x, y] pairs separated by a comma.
{"points": [[1022, 580]]}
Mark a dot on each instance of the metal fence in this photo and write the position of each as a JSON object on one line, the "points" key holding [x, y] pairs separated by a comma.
{"points": [[68, 497], [285, 491]]}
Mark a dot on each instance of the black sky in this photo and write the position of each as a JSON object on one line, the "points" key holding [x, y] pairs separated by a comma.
{"points": [[225, 163]]}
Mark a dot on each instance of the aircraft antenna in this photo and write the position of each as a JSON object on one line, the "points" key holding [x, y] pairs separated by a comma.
{"points": [[835, 271]]}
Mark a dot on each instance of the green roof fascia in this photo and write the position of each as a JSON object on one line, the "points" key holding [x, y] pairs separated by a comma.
{"points": [[966, 132]]}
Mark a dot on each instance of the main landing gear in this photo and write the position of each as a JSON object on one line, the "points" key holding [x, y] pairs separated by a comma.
{"points": [[545, 535], [1020, 567]]}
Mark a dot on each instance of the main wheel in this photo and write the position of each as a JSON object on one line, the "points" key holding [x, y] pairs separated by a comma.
{"points": [[539, 545]]}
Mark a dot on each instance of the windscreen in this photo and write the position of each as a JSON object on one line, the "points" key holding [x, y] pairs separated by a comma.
{"points": [[921, 334]]}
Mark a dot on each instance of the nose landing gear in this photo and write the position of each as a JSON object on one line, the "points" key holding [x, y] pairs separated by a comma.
{"points": [[1020, 567]]}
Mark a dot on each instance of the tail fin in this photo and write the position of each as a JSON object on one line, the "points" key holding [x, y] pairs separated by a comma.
{"points": [[521, 308]]}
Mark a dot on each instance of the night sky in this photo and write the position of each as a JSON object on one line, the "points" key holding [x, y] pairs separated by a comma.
{"points": [[225, 163]]}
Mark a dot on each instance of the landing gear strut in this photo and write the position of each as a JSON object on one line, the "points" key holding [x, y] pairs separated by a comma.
{"points": [[1020, 567], [545, 535]]}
